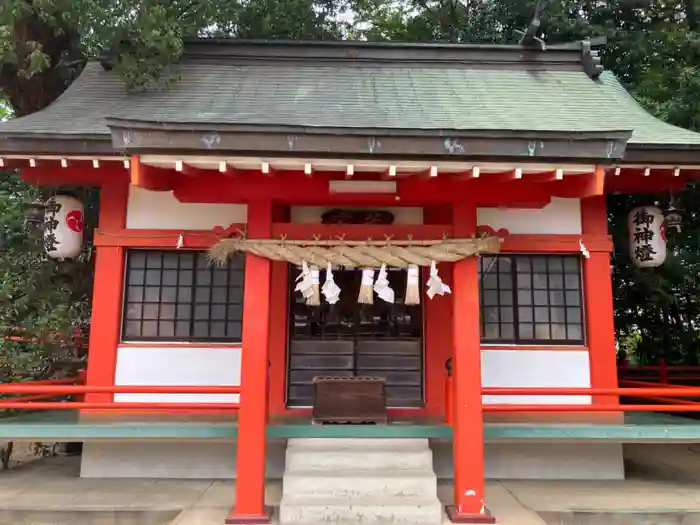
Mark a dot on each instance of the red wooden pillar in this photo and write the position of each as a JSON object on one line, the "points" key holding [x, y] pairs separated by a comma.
{"points": [[467, 420], [598, 297], [108, 286], [252, 415]]}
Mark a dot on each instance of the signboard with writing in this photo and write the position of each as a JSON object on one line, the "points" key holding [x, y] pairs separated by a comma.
{"points": [[647, 236]]}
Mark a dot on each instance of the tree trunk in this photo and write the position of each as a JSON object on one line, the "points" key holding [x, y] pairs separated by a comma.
{"points": [[30, 93]]}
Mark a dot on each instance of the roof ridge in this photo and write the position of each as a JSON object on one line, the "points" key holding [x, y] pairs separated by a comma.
{"points": [[352, 51]]}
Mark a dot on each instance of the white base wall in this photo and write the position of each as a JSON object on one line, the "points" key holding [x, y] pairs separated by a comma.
{"points": [[217, 460], [171, 459], [575, 460]]}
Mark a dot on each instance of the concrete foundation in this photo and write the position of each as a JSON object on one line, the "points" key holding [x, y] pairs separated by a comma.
{"points": [[217, 460], [171, 459], [342, 481], [569, 460]]}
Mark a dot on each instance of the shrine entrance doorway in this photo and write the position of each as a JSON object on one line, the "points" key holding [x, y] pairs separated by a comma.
{"points": [[349, 339]]}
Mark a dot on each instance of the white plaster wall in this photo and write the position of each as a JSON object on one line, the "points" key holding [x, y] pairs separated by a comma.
{"points": [[180, 366], [310, 214], [536, 368], [160, 210], [561, 216]]}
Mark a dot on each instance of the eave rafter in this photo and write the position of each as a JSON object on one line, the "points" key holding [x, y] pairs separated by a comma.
{"points": [[166, 172], [645, 178]]}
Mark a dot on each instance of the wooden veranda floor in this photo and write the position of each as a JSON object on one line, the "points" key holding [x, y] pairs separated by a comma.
{"points": [[66, 425]]}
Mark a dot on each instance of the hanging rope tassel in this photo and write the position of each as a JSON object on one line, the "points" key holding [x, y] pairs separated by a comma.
{"points": [[584, 251], [305, 282], [382, 287], [366, 295], [412, 288], [314, 298], [435, 284], [330, 290]]}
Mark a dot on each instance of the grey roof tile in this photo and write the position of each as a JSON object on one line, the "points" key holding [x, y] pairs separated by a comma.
{"points": [[390, 97], [81, 109]]}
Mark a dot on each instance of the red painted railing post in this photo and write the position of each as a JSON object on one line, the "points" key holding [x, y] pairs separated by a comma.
{"points": [[663, 372], [623, 366], [449, 393]]}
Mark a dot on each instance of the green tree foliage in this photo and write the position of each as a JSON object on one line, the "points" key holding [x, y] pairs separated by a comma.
{"points": [[44, 43], [42, 303], [654, 48]]}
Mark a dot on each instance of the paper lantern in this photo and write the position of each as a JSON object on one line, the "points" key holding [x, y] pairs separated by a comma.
{"points": [[674, 220], [63, 227], [647, 236]]}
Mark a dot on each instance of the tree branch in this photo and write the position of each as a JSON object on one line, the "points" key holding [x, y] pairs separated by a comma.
{"points": [[691, 14]]}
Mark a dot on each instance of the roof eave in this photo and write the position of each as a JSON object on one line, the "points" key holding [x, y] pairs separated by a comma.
{"points": [[53, 144], [139, 137], [676, 154]]}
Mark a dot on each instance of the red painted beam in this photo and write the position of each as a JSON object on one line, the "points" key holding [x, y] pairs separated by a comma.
{"points": [[76, 173], [361, 232], [633, 181], [298, 188], [560, 243], [192, 240], [150, 177]]}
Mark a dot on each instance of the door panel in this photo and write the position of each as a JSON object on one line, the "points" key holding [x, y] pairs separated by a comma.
{"points": [[309, 358], [403, 397], [410, 347], [349, 339], [321, 362], [394, 378]]}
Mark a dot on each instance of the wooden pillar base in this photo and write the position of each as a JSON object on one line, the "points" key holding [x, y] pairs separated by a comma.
{"points": [[456, 517], [236, 519]]}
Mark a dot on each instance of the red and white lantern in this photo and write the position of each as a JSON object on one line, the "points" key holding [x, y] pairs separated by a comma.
{"points": [[63, 227], [647, 236]]}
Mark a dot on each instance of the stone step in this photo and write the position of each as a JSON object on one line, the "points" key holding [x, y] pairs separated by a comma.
{"points": [[302, 459], [340, 444], [369, 511], [387, 484]]}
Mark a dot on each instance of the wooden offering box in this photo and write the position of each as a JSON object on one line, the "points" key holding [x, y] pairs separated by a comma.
{"points": [[349, 400]]}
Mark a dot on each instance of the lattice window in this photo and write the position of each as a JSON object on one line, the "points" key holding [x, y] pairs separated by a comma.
{"points": [[531, 299], [181, 296]]}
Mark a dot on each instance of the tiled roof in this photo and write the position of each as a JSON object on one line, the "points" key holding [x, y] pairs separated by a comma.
{"points": [[401, 96]]}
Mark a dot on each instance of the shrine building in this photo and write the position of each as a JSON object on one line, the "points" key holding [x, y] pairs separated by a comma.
{"points": [[356, 238]]}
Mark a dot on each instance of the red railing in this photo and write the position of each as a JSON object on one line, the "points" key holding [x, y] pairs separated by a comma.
{"points": [[34, 396], [35, 393], [78, 339], [661, 394], [44, 383], [661, 373]]}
